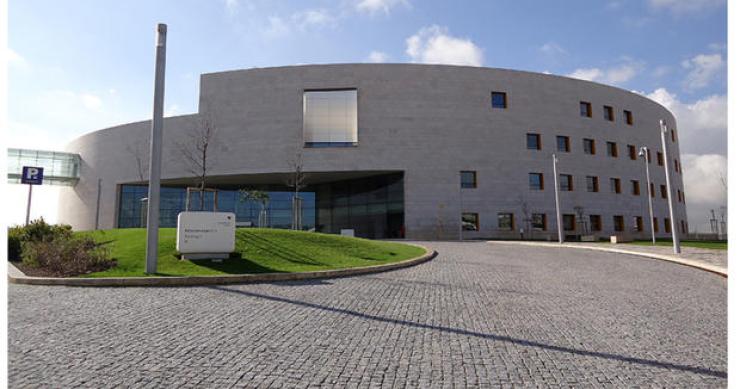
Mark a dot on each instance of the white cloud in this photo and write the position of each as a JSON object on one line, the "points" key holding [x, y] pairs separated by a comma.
{"points": [[298, 22], [172, 110], [312, 17], [232, 5], [703, 177], [378, 57], [374, 6], [704, 68], [434, 45], [551, 49], [686, 6], [15, 60], [91, 101], [661, 71], [614, 75]]}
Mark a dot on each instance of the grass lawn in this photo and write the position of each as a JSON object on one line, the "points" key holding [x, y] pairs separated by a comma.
{"points": [[687, 243], [258, 250]]}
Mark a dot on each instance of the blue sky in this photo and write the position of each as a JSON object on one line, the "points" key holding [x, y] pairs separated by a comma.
{"points": [[77, 66]]}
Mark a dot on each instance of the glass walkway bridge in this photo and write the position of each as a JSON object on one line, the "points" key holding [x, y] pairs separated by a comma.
{"points": [[59, 168]]}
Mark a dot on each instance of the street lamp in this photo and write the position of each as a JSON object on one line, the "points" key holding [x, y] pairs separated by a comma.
{"points": [[644, 155], [674, 233], [557, 198]]}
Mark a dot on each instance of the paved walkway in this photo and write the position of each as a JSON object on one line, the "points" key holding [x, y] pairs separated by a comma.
{"points": [[477, 315]]}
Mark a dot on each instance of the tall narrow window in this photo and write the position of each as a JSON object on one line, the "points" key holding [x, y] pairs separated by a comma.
{"points": [[675, 165], [637, 223], [330, 118], [628, 117], [655, 224], [663, 191], [652, 189], [611, 149], [616, 185], [536, 181], [563, 143], [667, 225], [585, 109], [566, 182], [633, 152], [660, 158], [468, 179], [595, 221], [569, 222], [470, 222], [650, 158], [498, 100], [608, 113], [635, 187], [533, 142], [673, 135], [506, 221], [592, 184], [618, 223], [589, 146]]}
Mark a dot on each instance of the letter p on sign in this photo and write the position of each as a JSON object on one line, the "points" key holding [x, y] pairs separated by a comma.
{"points": [[32, 175]]}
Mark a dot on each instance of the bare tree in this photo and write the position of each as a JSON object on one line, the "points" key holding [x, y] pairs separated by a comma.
{"points": [[261, 197], [139, 152], [195, 152], [297, 180]]}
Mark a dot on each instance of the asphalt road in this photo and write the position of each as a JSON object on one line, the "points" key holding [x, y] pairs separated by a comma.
{"points": [[474, 316]]}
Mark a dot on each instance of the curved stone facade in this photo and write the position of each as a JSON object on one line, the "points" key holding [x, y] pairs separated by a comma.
{"points": [[426, 122]]}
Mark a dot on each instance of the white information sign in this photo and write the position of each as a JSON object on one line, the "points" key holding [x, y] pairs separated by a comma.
{"points": [[206, 232]]}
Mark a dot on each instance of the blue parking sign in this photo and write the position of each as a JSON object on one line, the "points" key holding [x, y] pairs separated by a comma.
{"points": [[32, 175]]}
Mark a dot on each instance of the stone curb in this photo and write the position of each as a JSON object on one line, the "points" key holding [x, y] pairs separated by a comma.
{"points": [[15, 276], [686, 262]]}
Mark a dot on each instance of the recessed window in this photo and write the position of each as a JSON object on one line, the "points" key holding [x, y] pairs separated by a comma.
{"points": [[611, 149], [675, 165], [595, 221], [498, 100], [533, 142], [592, 184], [589, 146], [683, 226], [539, 221], [655, 224], [637, 223], [563, 144], [649, 157], [667, 225], [566, 182], [585, 109], [468, 179], [616, 185], [663, 191], [330, 118], [628, 117], [608, 113], [660, 158], [633, 151], [506, 221], [652, 189], [618, 223], [569, 222], [680, 195], [635, 187], [470, 222], [536, 181], [673, 135]]}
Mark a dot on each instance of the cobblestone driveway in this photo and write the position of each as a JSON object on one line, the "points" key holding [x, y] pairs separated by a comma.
{"points": [[474, 316]]}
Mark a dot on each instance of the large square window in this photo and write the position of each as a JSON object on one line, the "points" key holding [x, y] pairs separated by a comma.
{"points": [[506, 221], [533, 142], [468, 179], [563, 143], [539, 221], [330, 118], [470, 221], [536, 181], [498, 99]]}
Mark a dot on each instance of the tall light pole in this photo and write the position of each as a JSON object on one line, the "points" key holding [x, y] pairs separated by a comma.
{"points": [[155, 156], [557, 198], [674, 233], [644, 154]]}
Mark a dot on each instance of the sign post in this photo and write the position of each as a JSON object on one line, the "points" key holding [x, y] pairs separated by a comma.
{"points": [[32, 176]]}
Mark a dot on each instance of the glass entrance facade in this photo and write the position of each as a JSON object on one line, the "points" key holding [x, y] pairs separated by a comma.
{"points": [[372, 206]]}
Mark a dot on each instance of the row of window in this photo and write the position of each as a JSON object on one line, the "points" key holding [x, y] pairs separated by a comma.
{"points": [[538, 221], [565, 184], [608, 113], [534, 142]]}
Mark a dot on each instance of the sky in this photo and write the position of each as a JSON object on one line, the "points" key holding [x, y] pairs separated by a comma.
{"points": [[77, 66]]}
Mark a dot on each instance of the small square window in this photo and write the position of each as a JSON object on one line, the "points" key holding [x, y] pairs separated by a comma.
{"points": [[628, 117], [592, 184], [563, 144], [569, 222], [566, 182], [611, 149], [585, 109], [470, 222], [633, 151], [635, 187], [506, 221], [539, 221], [533, 142], [468, 179], [608, 113], [618, 223], [616, 185], [595, 221], [536, 181], [498, 100], [589, 146]]}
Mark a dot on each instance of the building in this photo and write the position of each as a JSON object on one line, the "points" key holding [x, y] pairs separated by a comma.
{"points": [[399, 150]]}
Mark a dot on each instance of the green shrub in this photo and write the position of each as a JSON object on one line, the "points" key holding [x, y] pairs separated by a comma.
{"points": [[36, 231], [68, 256]]}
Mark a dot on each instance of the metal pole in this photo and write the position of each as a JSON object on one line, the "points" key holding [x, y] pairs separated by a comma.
{"points": [[97, 206], [155, 156], [557, 198], [644, 151], [674, 233], [28, 207], [460, 232]]}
